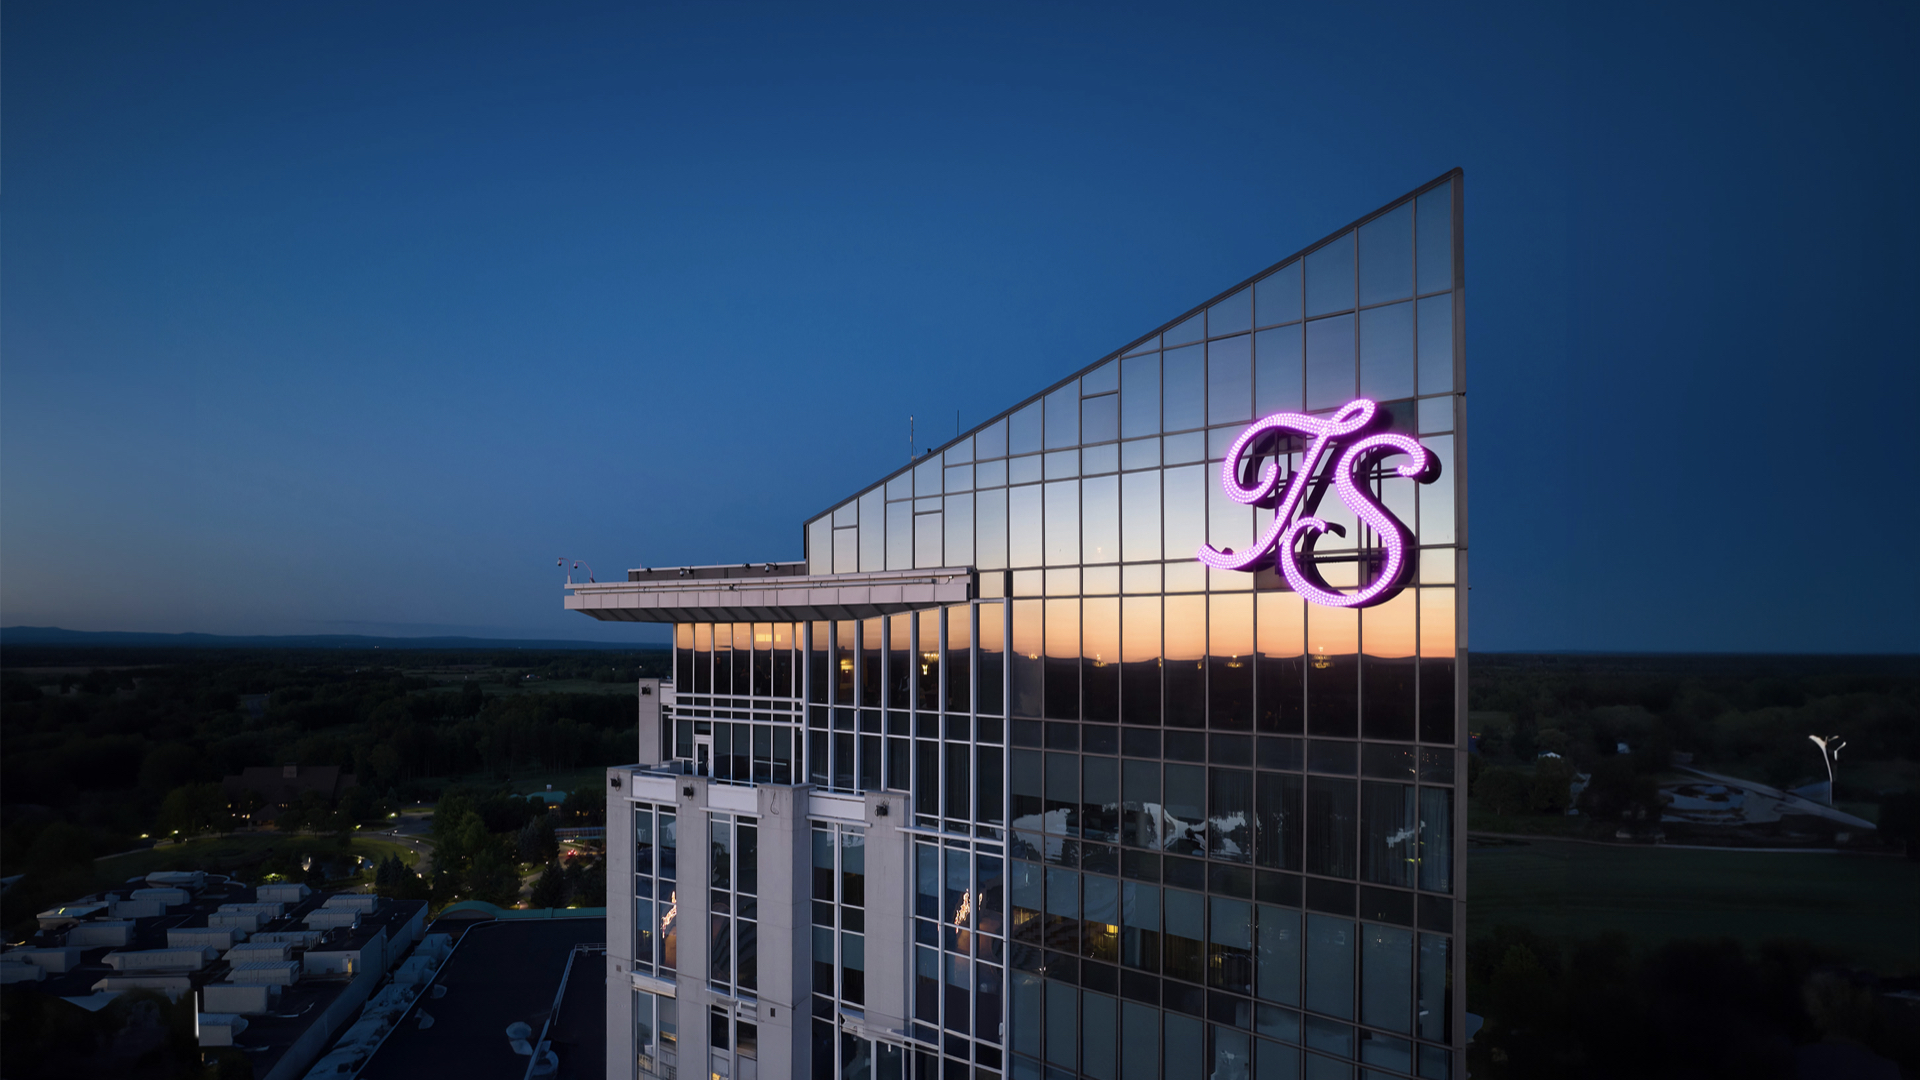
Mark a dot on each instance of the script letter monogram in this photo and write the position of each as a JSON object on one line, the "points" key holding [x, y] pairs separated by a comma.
{"points": [[1286, 537]]}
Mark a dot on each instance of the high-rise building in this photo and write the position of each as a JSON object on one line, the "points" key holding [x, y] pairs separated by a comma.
{"points": [[1119, 737]]}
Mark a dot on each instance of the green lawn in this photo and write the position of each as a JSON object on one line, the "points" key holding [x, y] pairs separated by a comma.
{"points": [[1857, 905]]}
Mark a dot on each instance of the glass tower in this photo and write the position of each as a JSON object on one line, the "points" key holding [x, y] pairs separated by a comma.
{"points": [[1003, 781]]}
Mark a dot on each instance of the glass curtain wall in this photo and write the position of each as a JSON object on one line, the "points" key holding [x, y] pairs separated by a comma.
{"points": [[1223, 844]]}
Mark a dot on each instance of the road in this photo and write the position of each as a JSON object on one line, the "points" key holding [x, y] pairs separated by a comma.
{"points": [[411, 828]]}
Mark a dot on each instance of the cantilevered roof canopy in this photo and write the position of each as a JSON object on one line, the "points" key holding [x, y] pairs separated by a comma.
{"points": [[669, 597]]}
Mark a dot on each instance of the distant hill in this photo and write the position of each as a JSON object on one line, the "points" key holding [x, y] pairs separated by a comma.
{"points": [[54, 635]]}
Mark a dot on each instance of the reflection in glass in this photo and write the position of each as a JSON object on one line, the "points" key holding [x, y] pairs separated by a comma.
{"points": [[990, 529], [1100, 418], [1330, 278], [1230, 380], [1435, 1001], [1386, 256], [1100, 798], [1100, 663], [1140, 395], [1063, 660], [1386, 352], [990, 441], [1333, 644], [846, 550], [1436, 839], [1024, 663], [1387, 832], [1230, 815], [1386, 977], [1140, 660], [900, 536], [1185, 510], [1063, 523], [959, 526], [1436, 499], [1330, 965], [1278, 359], [1185, 646], [1184, 825], [1276, 298], [992, 656], [1435, 220], [1277, 825], [1330, 375], [1330, 826], [1277, 937], [1230, 662], [1063, 417], [1230, 525], [1232, 315], [926, 542], [1140, 515], [1436, 344], [1185, 382], [1023, 526], [872, 641], [1023, 433], [1387, 670], [1184, 952], [1100, 519], [1280, 669]]}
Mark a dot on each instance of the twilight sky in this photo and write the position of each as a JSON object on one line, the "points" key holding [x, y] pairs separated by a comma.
{"points": [[351, 318]]}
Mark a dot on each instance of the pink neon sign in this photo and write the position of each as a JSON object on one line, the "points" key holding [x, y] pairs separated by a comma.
{"points": [[1286, 538]]}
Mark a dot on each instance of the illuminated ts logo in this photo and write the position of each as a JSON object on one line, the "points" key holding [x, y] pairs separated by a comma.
{"points": [[1286, 537]]}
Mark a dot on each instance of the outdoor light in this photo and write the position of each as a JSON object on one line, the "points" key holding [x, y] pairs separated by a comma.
{"points": [[1829, 753]]}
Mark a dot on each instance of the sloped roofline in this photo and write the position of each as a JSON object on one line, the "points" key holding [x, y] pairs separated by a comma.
{"points": [[1451, 174]]}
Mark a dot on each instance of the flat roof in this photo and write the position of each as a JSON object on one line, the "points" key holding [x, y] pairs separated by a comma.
{"points": [[502, 971]]}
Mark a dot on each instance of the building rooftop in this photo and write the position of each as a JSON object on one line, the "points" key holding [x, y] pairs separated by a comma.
{"points": [[266, 1038], [503, 972]]}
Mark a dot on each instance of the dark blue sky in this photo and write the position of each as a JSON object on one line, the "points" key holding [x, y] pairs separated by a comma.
{"points": [[353, 318]]}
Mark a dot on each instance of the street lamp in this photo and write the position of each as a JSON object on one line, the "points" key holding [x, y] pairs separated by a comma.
{"points": [[1829, 753]]}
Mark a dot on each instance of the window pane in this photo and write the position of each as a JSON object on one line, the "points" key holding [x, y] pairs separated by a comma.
{"points": [[1277, 828], [1436, 839], [1386, 256], [1100, 659], [1330, 965], [1436, 344], [1281, 666], [1186, 389], [1100, 418], [1278, 961], [1023, 526], [1436, 989], [1140, 516], [1386, 977], [1330, 826], [1140, 395], [1435, 219], [1186, 922], [1232, 315], [1386, 352], [1330, 375], [959, 525], [1023, 435], [1387, 834], [1276, 298], [1278, 370], [926, 542], [900, 536], [1185, 510], [1330, 277], [990, 529], [1230, 380], [1063, 523], [1063, 417], [1140, 660]]}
